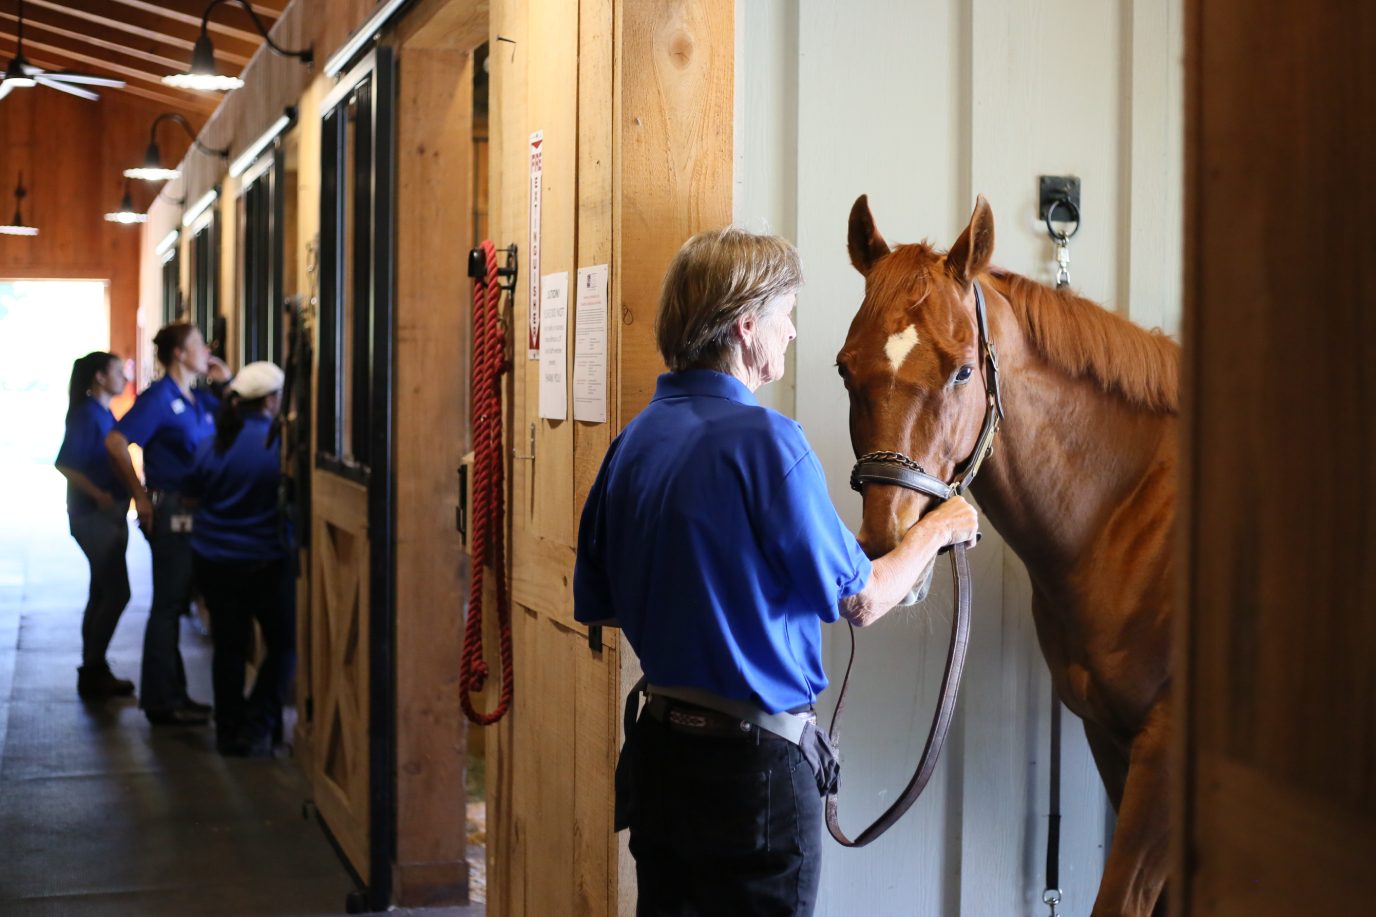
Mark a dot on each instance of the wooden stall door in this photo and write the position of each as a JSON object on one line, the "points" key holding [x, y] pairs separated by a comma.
{"points": [[339, 663], [1278, 785]]}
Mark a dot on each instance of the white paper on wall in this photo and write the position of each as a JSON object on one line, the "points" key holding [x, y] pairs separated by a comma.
{"points": [[554, 323], [590, 345]]}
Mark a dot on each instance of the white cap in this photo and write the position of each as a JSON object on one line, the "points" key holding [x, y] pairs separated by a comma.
{"points": [[257, 380]]}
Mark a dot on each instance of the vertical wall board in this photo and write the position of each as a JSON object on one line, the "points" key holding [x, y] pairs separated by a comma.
{"points": [[594, 766], [765, 180], [431, 430], [552, 100], [594, 224], [674, 163]]}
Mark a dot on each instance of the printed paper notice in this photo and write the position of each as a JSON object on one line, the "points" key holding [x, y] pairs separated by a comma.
{"points": [[537, 155], [554, 324], [590, 345]]}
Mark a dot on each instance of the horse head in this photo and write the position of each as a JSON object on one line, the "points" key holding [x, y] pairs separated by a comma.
{"points": [[912, 364]]}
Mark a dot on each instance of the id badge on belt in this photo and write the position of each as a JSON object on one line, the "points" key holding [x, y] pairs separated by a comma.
{"points": [[180, 523]]}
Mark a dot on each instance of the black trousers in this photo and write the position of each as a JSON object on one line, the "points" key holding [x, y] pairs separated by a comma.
{"points": [[721, 825], [237, 594], [103, 535]]}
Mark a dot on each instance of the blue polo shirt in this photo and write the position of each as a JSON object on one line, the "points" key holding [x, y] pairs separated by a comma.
{"points": [[168, 426], [236, 516], [83, 450], [710, 537]]}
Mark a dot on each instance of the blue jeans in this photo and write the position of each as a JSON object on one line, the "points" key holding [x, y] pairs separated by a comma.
{"points": [[103, 535], [162, 684], [722, 825]]}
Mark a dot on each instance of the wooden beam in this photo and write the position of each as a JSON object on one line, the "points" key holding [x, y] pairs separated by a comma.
{"points": [[189, 12], [122, 38], [144, 26], [172, 65]]}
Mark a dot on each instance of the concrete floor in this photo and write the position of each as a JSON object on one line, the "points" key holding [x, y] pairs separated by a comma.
{"points": [[101, 814]]}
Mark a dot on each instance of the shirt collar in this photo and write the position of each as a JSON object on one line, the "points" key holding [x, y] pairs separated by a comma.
{"points": [[703, 382]]}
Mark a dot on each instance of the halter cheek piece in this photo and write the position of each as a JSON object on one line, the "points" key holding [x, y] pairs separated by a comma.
{"points": [[897, 468]]}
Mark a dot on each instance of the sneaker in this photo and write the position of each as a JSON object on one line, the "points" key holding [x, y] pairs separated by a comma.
{"points": [[97, 682], [197, 706]]}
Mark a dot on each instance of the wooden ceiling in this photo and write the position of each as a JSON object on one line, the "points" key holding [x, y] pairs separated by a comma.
{"points": [[138, 41]]}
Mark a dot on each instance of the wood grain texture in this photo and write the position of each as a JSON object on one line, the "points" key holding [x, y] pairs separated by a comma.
{"points": [[431, 429], [1279, 770]]}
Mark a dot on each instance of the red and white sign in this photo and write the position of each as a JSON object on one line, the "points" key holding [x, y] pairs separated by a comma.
{"points": [[537, 141]]}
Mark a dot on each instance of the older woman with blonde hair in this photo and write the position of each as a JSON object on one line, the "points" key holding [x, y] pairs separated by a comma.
{"points": [[710, 539]]}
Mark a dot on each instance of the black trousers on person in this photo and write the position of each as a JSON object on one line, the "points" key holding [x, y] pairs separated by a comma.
{"points": [[238, 593], [103, 535], [720, 825]]}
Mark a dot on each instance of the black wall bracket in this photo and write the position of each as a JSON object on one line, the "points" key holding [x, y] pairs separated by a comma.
{"points": [[506, 274], [1054, 188]]}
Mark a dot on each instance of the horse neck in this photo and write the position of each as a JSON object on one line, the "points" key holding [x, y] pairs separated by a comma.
{"points": [[1067, 456]]}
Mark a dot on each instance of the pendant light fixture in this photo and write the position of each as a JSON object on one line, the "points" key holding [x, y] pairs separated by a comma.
{"points": [[17, 226], [126, 212], [152, 168], [205, 75]]}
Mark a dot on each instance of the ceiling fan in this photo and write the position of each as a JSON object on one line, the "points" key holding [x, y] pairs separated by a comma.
{"points": [[21, 74]]}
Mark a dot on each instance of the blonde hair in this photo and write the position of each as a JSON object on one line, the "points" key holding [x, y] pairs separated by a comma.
{"points": [[718, 277]]}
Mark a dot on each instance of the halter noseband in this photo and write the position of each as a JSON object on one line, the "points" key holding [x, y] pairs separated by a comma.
{"points": [[897, 468]]}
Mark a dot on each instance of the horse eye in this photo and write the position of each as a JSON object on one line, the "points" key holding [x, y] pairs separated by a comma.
{"points": [[963, 375]]}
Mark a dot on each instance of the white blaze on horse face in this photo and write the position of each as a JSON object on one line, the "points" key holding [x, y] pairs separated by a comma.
{"points": [[899, 345]]}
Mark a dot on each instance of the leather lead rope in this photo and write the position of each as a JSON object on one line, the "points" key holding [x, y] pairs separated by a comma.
{"points": [[941, 720], [1051, 897]]}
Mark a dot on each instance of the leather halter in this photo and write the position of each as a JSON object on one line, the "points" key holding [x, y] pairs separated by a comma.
{"points": [[897, 468]]}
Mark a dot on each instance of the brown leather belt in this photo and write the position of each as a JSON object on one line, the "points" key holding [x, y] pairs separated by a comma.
{"points": [[692, 719]]}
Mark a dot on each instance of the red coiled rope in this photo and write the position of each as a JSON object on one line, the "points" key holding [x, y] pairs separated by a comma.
{"points": [[489, 511]]}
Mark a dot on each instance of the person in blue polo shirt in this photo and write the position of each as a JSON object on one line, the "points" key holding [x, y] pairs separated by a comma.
{"points": [[168, 419], [710, 539], [97, 506], [242, 551]]}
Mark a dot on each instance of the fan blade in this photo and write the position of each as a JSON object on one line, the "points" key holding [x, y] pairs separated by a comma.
{"points": [[63, 87], [6, 87], [84, 79], [30, 69]]}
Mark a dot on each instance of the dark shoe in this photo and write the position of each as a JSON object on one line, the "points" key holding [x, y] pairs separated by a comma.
{"points": [[245, 745], [189, 704], [97, 682], [177, 716]]}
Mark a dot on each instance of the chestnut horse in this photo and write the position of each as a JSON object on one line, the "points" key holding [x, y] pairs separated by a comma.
{"points": [[1081, 485]]}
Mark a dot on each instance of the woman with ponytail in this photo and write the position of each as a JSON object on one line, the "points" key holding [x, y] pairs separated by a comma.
{"points": [[169, 419], [242, 560], [97, 504]]}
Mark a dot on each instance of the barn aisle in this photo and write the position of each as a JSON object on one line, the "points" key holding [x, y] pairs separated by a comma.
{"points": [[102, 815]]}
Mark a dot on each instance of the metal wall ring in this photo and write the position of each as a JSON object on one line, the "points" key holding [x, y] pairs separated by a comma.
{"points": [[1074, 218]]}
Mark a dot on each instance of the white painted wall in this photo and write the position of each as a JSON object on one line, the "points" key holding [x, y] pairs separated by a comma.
{"points": [[922, 104]]}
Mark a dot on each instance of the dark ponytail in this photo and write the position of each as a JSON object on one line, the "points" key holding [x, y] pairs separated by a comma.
{"points": [[84, 372], [230, 419]]}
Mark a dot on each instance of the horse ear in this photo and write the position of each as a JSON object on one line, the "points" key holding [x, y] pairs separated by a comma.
{"points": [[973, 251], [865, 243]]}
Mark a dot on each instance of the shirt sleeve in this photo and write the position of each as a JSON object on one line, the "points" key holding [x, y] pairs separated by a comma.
{"points": [[141, 421], [77, 443], [592, 595], [819, 557]]}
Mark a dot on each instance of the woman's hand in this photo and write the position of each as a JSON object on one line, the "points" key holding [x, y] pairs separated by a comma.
{"points": [[218, 370], [143, 505], [957, 519]]}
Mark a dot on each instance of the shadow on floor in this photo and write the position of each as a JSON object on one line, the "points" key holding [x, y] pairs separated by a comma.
{"points": [[101, 814]]}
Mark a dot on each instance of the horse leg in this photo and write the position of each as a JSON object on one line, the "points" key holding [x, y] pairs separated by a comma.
{"points": [[1109, 760], [1138, 862]]}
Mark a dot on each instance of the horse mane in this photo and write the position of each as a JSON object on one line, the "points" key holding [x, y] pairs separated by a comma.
{"points": [[1084, 339]]}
